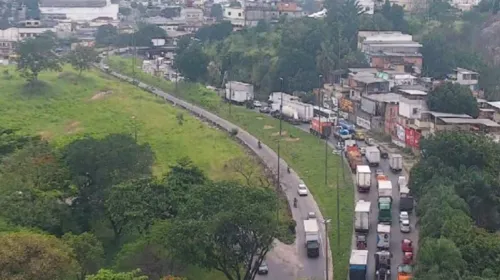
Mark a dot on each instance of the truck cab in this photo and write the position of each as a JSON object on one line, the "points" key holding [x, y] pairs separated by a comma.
{"points": [[312, 238], [385, 210], [383, 236], [383, 265]]}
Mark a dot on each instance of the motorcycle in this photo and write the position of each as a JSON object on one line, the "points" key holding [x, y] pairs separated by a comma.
{"points": [[288, 169], [295, 202], [258, 144]]}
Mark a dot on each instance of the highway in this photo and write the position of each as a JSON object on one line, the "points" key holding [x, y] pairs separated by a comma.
{"points": [[285, 262], [396, 235]]}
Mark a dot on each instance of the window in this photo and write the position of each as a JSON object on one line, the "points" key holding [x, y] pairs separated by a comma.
{"points": [[229, 13], [239, 14], [415, 111]]}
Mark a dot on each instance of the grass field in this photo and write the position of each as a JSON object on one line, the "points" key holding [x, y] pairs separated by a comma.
{"points": [[302, 151], [67, 107]]}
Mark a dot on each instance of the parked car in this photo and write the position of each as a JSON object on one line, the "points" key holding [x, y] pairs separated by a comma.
{"points": [[263, 269], [265, 110], [257, 103], [302, 189], [311, 215], [405, 226]]}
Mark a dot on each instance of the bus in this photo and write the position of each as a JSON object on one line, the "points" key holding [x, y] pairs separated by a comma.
{"points": [[330, 115]]}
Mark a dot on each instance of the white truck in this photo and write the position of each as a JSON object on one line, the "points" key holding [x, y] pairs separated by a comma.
{"points": [[384, 188], [362, 216], [238, 92], [372, 155], [363, 178], [304, 111], [396, 162], [383, 236], [312, 238], [358, 265]]}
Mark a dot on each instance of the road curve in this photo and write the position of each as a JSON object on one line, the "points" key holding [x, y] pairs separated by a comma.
{"points": [[285, 262]]}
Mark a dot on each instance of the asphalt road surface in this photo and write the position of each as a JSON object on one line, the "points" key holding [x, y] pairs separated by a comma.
{"points": [[285, 262]]}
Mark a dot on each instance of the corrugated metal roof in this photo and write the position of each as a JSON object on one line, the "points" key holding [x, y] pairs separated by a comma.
{"points": [[485, 122], [73, 3], [447, 115]]}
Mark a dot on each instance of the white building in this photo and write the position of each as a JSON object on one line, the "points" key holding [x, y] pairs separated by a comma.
{"points": [[410, 110], [466, 78], [368, 6], [464, 5], [10, 36], [236, 15], [85, 10], [191, 14]]}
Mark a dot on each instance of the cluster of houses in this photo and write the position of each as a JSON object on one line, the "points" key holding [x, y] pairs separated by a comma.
{"points": [[390, 96]]}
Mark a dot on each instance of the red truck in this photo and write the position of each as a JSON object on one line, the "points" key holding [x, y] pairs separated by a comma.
{"points": [[353, 157], [320, 127]]}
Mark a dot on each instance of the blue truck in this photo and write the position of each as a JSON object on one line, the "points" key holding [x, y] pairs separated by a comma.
{"points": [[358, 264]]}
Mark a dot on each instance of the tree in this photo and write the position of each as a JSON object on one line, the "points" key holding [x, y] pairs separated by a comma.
{"points": [[453, 98], [440, 257], [88, 252], [27, 255], [106, 35], [395, 14], [217, 12], [11, 141], [230, 228], [105, 274], [191, 62], [215, 32], [36, 55], [146, 33], [97, 164], [376, 22], [136, 205], [81, 58]]}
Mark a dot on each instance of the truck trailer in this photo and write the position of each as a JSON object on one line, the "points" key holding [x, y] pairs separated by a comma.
{"points": [[312, 238], [372, 155], [383, 237], [238, 92], [396, 162], [363, 178], [358, 264], [384, 201], [354, 157], [405, 199], [321, 128], [362, 216], [384, 188]]}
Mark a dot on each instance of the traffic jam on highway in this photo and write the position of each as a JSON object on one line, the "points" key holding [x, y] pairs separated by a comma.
{"points": [[384, 237]]}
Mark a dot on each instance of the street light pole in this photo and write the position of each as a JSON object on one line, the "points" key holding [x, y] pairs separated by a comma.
{"points": [[326, 222], [135, 128], [279, 139]]}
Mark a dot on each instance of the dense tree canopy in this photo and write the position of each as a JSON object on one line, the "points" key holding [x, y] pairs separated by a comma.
{"points": [[453, 98], [457, 186], [36, 55]]}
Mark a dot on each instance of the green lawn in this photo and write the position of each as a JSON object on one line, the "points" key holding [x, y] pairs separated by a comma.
{"points": [[67, 107], [304, 152]]}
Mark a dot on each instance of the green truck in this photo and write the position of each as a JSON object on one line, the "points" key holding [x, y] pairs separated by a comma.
{"points": [[384, 201]]}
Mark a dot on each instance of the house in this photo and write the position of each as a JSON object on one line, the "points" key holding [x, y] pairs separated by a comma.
{"points": [[397, 78], [375, 109], [191, 14], [466, 78], [367, 6], [391, 50], [290, 9], [464, 5], [10, 36], [85, 10], [250, 15], [362, 83]]}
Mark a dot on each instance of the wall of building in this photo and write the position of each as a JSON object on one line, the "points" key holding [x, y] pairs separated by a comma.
{"points": [[411, 109], [391, 118], [83, 14]]}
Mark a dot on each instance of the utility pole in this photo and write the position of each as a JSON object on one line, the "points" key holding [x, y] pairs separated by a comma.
{"points": [[341, 154], [134, 50], [279, 137], [135, 128], [326, 222], [230, 96]]}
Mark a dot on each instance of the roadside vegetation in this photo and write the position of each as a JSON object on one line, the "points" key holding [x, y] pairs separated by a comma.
{"points": [[302, 151], [457, 187], [99, 178]]}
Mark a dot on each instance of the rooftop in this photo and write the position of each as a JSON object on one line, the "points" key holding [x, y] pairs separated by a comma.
{"points": [[382, 53], [464, 71], [485, 122], [447, 115], [366, 78], [394, 44], [73, 3], [495, 104], [372, 33], [413, 92], [384, 97], [364, 70]]}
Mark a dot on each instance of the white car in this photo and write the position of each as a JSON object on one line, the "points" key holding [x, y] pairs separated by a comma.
{"points": [[362, 150], [263, 269], [403, 215], [302, 189], [257, 103], [405, 226]]}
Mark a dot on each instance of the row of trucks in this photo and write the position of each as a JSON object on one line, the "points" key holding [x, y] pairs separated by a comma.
{"points": [[293, 110], [358, 266]]}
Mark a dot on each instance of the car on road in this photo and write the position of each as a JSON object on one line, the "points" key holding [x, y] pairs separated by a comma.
{"points": [[265, 110], [263, 268], [403, 215], [379, 172], [369, 141], [302, 189], [362, 150], [256, 103], [405, 226], [311, 215]]}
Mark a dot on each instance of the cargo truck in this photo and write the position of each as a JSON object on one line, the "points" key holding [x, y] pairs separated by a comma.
{"points": [[396, 162], [358, 264], [363, 178], [372, 155], [362, 216], [312, 238], [354, 157], [405, 272], [383, 265], [321, 128], [384, 201], [405, 199], [383, 236]]}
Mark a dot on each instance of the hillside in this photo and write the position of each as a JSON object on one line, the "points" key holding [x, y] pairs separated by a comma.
{"points": [[67, 107]]}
